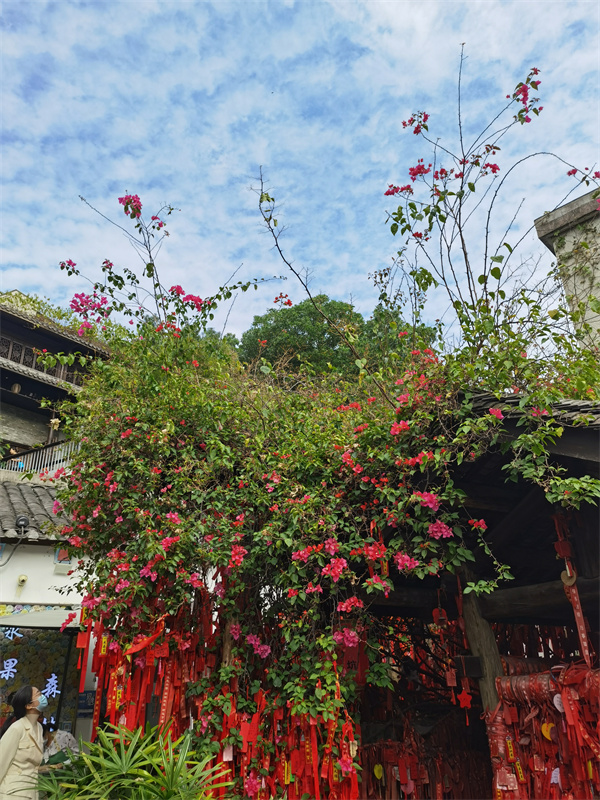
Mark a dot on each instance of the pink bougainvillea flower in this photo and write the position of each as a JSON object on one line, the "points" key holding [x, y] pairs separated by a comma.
{"points": [[428, 500], [148, 572], [404, 561], [132, 205], [262, 650], [236, 630], [252, 785], [377, 581], [168, 541], [173, 516], [539, 412], [346, 637], [399, 427], [346, 765], [496, 412], [439, 530], [335, 568], [68, 620]]}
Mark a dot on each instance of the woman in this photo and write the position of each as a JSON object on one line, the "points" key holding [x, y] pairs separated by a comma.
{"points": [[21, 746]]}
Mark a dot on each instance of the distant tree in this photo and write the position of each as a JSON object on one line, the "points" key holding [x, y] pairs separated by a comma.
{"points": [[387, 337], [302, 333], [228, 341]]}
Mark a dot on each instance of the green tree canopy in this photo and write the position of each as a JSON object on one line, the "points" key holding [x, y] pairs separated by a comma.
{"points": [[301, 333]]}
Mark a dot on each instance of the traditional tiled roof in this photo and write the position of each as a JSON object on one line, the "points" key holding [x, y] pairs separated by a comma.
{"points": [[40, 321], [33, 501], [37, 375], [575, 413]]}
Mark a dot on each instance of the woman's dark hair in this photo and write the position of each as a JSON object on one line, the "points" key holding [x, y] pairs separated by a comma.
{"points": [[20, 700]]}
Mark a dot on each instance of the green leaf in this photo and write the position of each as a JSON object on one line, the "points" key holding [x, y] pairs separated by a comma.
{"points": [[497, 259], [496, 273], [482, 279], [471, 187]]}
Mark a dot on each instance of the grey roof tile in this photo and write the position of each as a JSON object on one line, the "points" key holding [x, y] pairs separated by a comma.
{"points": [[35, 502]]}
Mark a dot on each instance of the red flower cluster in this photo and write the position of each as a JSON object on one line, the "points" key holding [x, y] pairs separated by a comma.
{"points": [[237, 556], [335, 568], [374, 551], [303, 555], [352, 602], [419, 169], [478, 524], [192, 299]]}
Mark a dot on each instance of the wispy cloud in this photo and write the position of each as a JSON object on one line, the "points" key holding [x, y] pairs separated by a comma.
{"points": [[183, 102]]}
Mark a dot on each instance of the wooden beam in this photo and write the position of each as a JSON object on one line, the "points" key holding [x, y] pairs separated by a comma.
{"points": [[542, 602], [414, 601], [580, 443], [487, 497]]}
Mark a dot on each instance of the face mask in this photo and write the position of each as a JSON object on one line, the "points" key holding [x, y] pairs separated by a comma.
{"points": [[42, 702]]}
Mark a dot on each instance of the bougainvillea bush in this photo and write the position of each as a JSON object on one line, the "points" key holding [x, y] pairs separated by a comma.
{"points": [[234, 524]]}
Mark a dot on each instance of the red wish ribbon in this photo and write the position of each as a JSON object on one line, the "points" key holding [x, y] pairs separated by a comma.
{"points": [[147, 640]]}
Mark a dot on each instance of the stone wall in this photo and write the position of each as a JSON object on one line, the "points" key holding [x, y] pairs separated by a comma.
{"points": [[23, 427], [572, 233]]}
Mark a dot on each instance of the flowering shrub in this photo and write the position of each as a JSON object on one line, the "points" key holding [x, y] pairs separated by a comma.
{"points": [[235, 515]]}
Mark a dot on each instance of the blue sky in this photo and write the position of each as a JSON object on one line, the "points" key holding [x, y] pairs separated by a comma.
{"points": [[184, 101]]}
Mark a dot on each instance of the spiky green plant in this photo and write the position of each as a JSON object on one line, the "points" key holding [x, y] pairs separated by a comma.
{"points": [[135, 765]]}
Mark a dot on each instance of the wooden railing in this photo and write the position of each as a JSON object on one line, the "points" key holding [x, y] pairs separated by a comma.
{"points": [[50, 457]]}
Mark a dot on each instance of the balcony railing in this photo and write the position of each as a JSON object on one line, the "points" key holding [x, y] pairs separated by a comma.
{"points": [[50, 457]]}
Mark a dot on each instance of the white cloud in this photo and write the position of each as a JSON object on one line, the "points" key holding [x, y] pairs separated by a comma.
{"points": [[184, 101]]}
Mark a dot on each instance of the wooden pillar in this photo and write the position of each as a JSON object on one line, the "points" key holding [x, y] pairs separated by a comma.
{"points": [[226, 657], [482, 643]]}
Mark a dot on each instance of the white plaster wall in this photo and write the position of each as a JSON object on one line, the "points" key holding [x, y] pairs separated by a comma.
{"points": [[42, 585]]}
